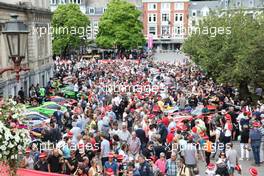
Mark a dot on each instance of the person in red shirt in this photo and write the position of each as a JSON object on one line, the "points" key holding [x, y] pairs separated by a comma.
{"points": [[170, 136], [165, 120]]}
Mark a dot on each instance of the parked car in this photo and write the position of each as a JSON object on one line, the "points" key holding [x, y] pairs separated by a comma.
{"points": [[48, 108], [35, 119], [68, 92], [62, 101]]}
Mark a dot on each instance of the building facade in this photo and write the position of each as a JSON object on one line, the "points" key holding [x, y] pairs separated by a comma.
{"points": [[166, 21], [94, 9], [36, 14], [250, 7], [200, 9]]}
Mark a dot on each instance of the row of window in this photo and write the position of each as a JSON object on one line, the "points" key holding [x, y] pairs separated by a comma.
{"points": [[65, 1], [165, 30], [92, 10], [152, 17], [166, 6]]}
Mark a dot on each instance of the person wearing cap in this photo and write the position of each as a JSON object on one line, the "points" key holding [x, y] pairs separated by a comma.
{"points": [[255, 141], [253, 171], [228, 128], [27, 162], [161, 163], [111, 164], [42, 164], [211, 168]]}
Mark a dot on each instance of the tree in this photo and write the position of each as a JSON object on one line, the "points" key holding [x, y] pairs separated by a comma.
{"points": [[69, 28], [120, 26], [234, 54]]}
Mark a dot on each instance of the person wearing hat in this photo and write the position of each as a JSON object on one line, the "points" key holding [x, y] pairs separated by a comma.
{"points": [[228, 128], [27, 162], [121, 164], [253, 171], [111, 164], [255, 141], [109, 172], [42, 164], [171, 135], [211, 168]]}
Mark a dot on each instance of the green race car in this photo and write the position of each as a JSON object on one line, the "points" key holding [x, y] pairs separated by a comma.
{"points": [[48, 108], [68, 92]]}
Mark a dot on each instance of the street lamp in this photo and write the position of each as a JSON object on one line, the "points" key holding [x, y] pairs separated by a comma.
{"points": [[16, 33]]}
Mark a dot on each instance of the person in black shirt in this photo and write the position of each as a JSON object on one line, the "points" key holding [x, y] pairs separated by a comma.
{"points": [[149, 151], [72, 163], [53, 162], [244, 143]]}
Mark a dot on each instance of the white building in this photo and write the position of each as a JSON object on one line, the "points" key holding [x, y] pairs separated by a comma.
{"points": [[34, 13]]}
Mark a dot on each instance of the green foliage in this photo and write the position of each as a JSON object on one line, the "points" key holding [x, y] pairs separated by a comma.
{"points": [[120, 26], [69, 27], [235, 56]]}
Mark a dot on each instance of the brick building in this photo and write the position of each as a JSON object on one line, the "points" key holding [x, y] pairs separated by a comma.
{"points": [[166, 21]]}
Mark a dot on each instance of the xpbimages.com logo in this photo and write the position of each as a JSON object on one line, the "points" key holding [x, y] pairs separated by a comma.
{"points": [[118, 88], [49, 30]]}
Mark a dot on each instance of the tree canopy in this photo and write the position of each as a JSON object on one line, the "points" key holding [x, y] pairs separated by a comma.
{"points": [[235, 54], [120, 26], [69, 28]]}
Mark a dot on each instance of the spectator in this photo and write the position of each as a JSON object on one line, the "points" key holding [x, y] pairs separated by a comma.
{"points": [[144, 168], [42, 164], [255, 141], [171, 165], [54, 164]]}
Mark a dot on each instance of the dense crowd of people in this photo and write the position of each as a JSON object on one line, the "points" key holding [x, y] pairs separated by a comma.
{"points": [[142, 118]]}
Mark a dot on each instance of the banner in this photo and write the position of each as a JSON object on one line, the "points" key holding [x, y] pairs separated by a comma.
{"points": [[150, 41], [27, 172]]}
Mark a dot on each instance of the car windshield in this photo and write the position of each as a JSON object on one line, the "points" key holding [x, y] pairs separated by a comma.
{"points": [[35, 117]]}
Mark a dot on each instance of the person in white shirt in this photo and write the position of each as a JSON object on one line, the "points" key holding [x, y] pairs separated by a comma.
{"points": [[76, 131], [124, 134]]}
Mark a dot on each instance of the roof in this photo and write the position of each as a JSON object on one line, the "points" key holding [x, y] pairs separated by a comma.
{"points": [[198, 5]]}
